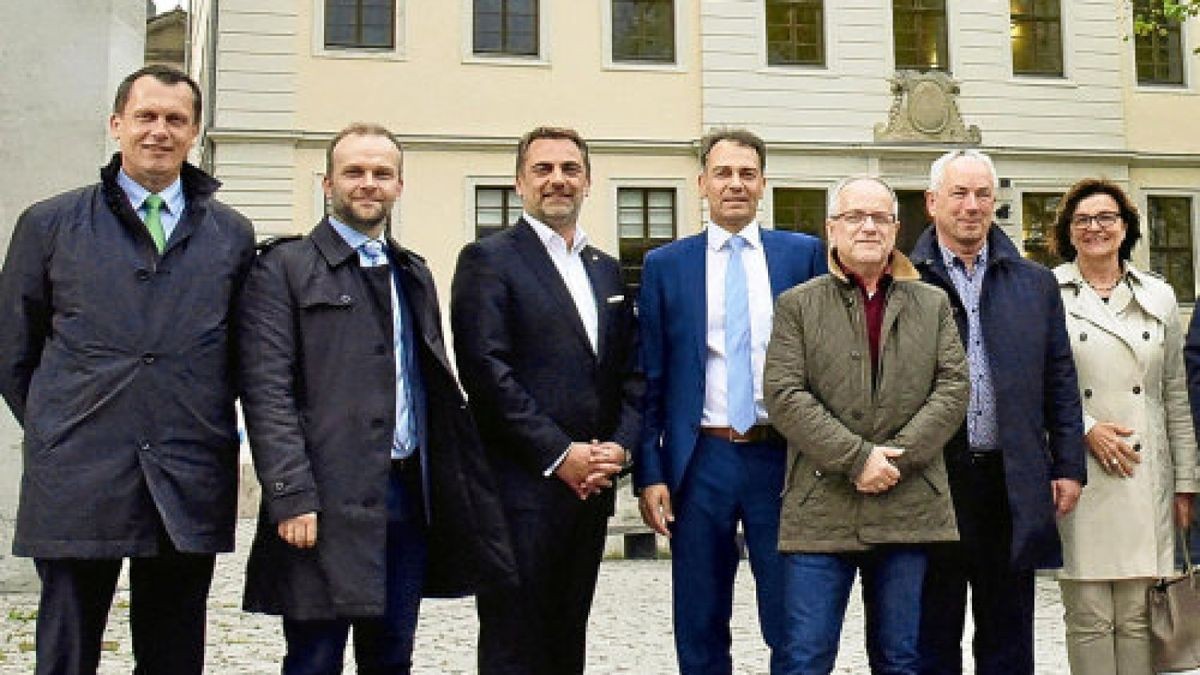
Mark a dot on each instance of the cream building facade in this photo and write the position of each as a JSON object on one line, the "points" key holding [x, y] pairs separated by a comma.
{"points": [[1055, 91], [279, 93]]}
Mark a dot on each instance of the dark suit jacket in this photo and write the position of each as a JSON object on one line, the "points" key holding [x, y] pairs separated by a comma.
{"points": [[319, 394], [531, 377], [673, 315]]}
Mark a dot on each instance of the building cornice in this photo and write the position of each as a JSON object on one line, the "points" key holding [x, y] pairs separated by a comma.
{"points": [[679, 147], [453, 143]]}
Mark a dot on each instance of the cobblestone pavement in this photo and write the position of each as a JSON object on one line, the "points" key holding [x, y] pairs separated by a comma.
{"points": [[630, 630]]}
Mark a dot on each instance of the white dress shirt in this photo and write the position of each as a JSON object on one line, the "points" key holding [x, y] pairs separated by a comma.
{"points": [[762, 311], [570, 268]]}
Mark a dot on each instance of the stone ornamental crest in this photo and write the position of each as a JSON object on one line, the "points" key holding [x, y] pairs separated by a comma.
{"points": [[925, 109]]}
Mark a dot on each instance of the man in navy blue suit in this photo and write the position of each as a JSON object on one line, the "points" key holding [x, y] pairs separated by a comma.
{"points": [[708, 457]]}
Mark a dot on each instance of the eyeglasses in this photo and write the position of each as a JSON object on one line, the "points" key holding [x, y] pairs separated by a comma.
{"points": [[859, 218], [1105, 221]]}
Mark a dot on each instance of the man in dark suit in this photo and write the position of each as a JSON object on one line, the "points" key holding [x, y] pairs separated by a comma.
{"points": [[116, 302], [1018, 460], [374, 483], [708, 457], [545, 340]]}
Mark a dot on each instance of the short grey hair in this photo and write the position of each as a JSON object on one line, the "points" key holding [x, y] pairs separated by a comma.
{"points": [[938, 171], [839, 187]]}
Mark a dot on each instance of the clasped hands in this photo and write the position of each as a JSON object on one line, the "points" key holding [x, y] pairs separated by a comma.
{"points": [[588, 468], [879, 473]]}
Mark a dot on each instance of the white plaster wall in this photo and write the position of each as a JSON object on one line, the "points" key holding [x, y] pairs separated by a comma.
{"points": [[841, 101]]}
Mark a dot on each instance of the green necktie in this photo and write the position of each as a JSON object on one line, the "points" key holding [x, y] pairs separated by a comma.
{"points": [[154, 221]]}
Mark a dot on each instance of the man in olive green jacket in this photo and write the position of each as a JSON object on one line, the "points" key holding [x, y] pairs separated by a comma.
{"points": [[866, 378]]}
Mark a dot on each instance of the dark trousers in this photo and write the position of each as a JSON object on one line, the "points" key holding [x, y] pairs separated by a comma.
{"points": [[1001, 597], [167, 612], [540, 627], [382, 645], [726, 483]]}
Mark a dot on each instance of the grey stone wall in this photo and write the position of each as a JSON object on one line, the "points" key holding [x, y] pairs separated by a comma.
{"points": [[63, 61]]}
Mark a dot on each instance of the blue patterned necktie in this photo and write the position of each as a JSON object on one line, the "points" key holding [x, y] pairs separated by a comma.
{"points": [[373, 250], [739, 371]]}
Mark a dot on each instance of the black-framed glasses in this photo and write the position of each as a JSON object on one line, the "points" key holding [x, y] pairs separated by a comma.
{"points": [[1105, 221], [859, 218]]}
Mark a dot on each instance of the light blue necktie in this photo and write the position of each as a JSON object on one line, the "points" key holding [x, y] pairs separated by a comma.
{"points": [[739, 371]]}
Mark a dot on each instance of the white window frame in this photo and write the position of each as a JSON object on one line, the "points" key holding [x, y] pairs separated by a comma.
{"points": [[1186, 47], [470, 185], [1143, 247], [396, 53], [615, 184], [952, 22], [829, 12], [541, 60], [681, 45], [1066, 19], [766, 206]]}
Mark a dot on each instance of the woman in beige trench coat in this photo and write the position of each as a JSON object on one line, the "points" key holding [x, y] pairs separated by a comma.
{"points": [[1127, 342]]}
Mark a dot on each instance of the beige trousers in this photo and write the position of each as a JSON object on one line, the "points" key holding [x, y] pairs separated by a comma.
{"points": [[1108, 626]]}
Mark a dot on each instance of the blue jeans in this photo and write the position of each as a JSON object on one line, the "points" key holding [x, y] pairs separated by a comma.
{"points": [[817, 588]]}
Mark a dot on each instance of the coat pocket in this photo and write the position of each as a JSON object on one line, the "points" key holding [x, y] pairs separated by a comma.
{"points": [[801, 484], [327, 300]]}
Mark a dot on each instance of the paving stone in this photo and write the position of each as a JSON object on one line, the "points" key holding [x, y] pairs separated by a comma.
{"points": [[630, 630]]}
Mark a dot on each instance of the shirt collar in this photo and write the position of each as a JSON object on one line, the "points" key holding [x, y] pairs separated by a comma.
{"points": [[948, 256], [718, 236], [351, 236], [551, 238], [172, 195]]}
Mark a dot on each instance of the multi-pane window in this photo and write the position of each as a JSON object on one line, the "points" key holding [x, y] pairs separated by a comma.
{"points": [[919, 28], [799, 210], [1159, 54], [506, 27], [1170, 225], [643, 30], [1036, 37], [645, 220], [496, 207], [1037, 226], [795, 32], [360, 24]]}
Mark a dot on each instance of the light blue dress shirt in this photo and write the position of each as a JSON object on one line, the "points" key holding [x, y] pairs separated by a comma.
{"points": [[173, 201], [404, 438]]}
